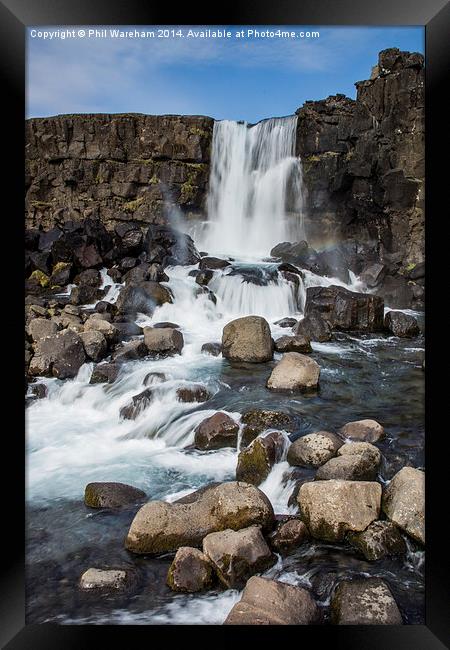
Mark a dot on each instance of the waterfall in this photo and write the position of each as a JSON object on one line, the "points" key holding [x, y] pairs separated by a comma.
{"points": [[254, 198]]}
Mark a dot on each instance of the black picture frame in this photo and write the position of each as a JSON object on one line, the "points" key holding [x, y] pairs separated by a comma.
{"points": [[15, 16]]}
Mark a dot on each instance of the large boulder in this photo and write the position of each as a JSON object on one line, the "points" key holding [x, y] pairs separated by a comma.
{"points": [[165, 245], [216, 431], [256, 460], [138, 403], [295, 372], [364, 602], [256, 421], [380, 539], [404, 502], [111, 495], [142, 298], [193, 393], [298, 343], [357, 461], [346, 310], [332, 508], [161, 527], [190, 571], [247, 339], [95, 344], [314, 449], [402, 325], [131, 351], [39, 328], [59, 356], [314, 327], [237, 555], [104, 373], [362, 430], [96, 324], [163, 342], [269, 602], [208, 262]]}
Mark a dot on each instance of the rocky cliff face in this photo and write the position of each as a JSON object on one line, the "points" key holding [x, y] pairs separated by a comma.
{"points": [[363, 161], [115, 167]]}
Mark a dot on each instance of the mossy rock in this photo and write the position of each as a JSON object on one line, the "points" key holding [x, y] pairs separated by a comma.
{"points": [[40, 277]]}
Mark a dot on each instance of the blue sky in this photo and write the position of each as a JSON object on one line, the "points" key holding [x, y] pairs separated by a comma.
{"points": [[248, 79]]}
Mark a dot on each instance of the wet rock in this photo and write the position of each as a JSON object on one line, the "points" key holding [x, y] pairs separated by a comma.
{"points": [[212, 263], [295, 372], [39, 328], [95, 344], [83, 294], [127, 263], [203, 277], [402, 325], [130, 237], [165, 245], [332, 508], [96, 324], [417, 272], [127, 329], [154, 378], [364, 602], [363, 430], [256, 460], [190, 571], [247, 339], [357, 461], [286, 322], [39, 391], [289, 534], [161, 527], [104, 373], [396, 291], [104, 580], [296, 343], [269, 602], [237, 555], [131, 351], [194, 393], [373, 274], [380, 539], [90, 278], [138, 404], [314, 327], [404, 502], [214, 349], [111, 495], [115, 274], [346, 310], [164, 324], [314, 449], [216, 432], [61, 274], [256, 421], [59, 356], [163, 342], [142, 298]]}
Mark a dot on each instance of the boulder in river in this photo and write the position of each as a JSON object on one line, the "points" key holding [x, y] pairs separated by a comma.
{"points": [[111, 495], [314, 327], [357, 461], [247, 339], [95, 344], [214, 349], [193, 393], [314, 449], [346, 310], [332, 508], [295, 372], [161, 527], [297, 343], [83, 294], [142, 298], [104, 373], [286, 322], [212, 263], [163, 342], [367, 601], [404, 502], [238, 554], [131, 351], [288, 535], [401, 325], [190, 571], [104, 580], [256, 460], [362, 430], [138, 404], [258, 420], [216, 431], [270, 602], [380, 539], [60, 356]]}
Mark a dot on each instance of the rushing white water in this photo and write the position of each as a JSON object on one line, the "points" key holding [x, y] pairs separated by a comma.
{"points": [[255, 183]]}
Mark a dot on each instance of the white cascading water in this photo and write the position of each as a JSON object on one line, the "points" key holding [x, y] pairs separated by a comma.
{"points": [[254, 198]]}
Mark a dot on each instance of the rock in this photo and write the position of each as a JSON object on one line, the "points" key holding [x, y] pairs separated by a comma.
{"points": [[131, 351], [142, 298], [219, 430], [40, 279], [39, 328], [417, 272], [130, 237], [404, 502], [154, 378], [190, 571], [95, 344], [163, 342], [83, 295], [288, 535], [364, 602], [295, 372], [111, 495], [314, 449], [194, 393], [247, 339], [204, 277], [214, 349], [90, 278], [138, 404], [39, 391], [357, 461], [346, 310], [127, 329], [363, 430], [96, 324], [332, 508], [402, 325], [104, 373], [256, 460], [257, 421], [127, 263], [373, 274], [104, 580], [165, 245], [269, 602], [212, 263], [61, 274], [296, 343], [314, 328], [161, 527], [59, 356], [286, 322], [380, 539], [165, 324], [237, 555]]}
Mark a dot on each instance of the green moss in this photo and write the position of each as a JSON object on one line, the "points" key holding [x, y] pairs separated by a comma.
{"points": [[187, 192], [41, 204], [60, 266], [132, 206], [41, 278], [410, 267], [154, 180], [253, 465], [194, 130]]}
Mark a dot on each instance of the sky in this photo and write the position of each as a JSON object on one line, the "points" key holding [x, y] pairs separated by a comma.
{"points": [[249, 78]]}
